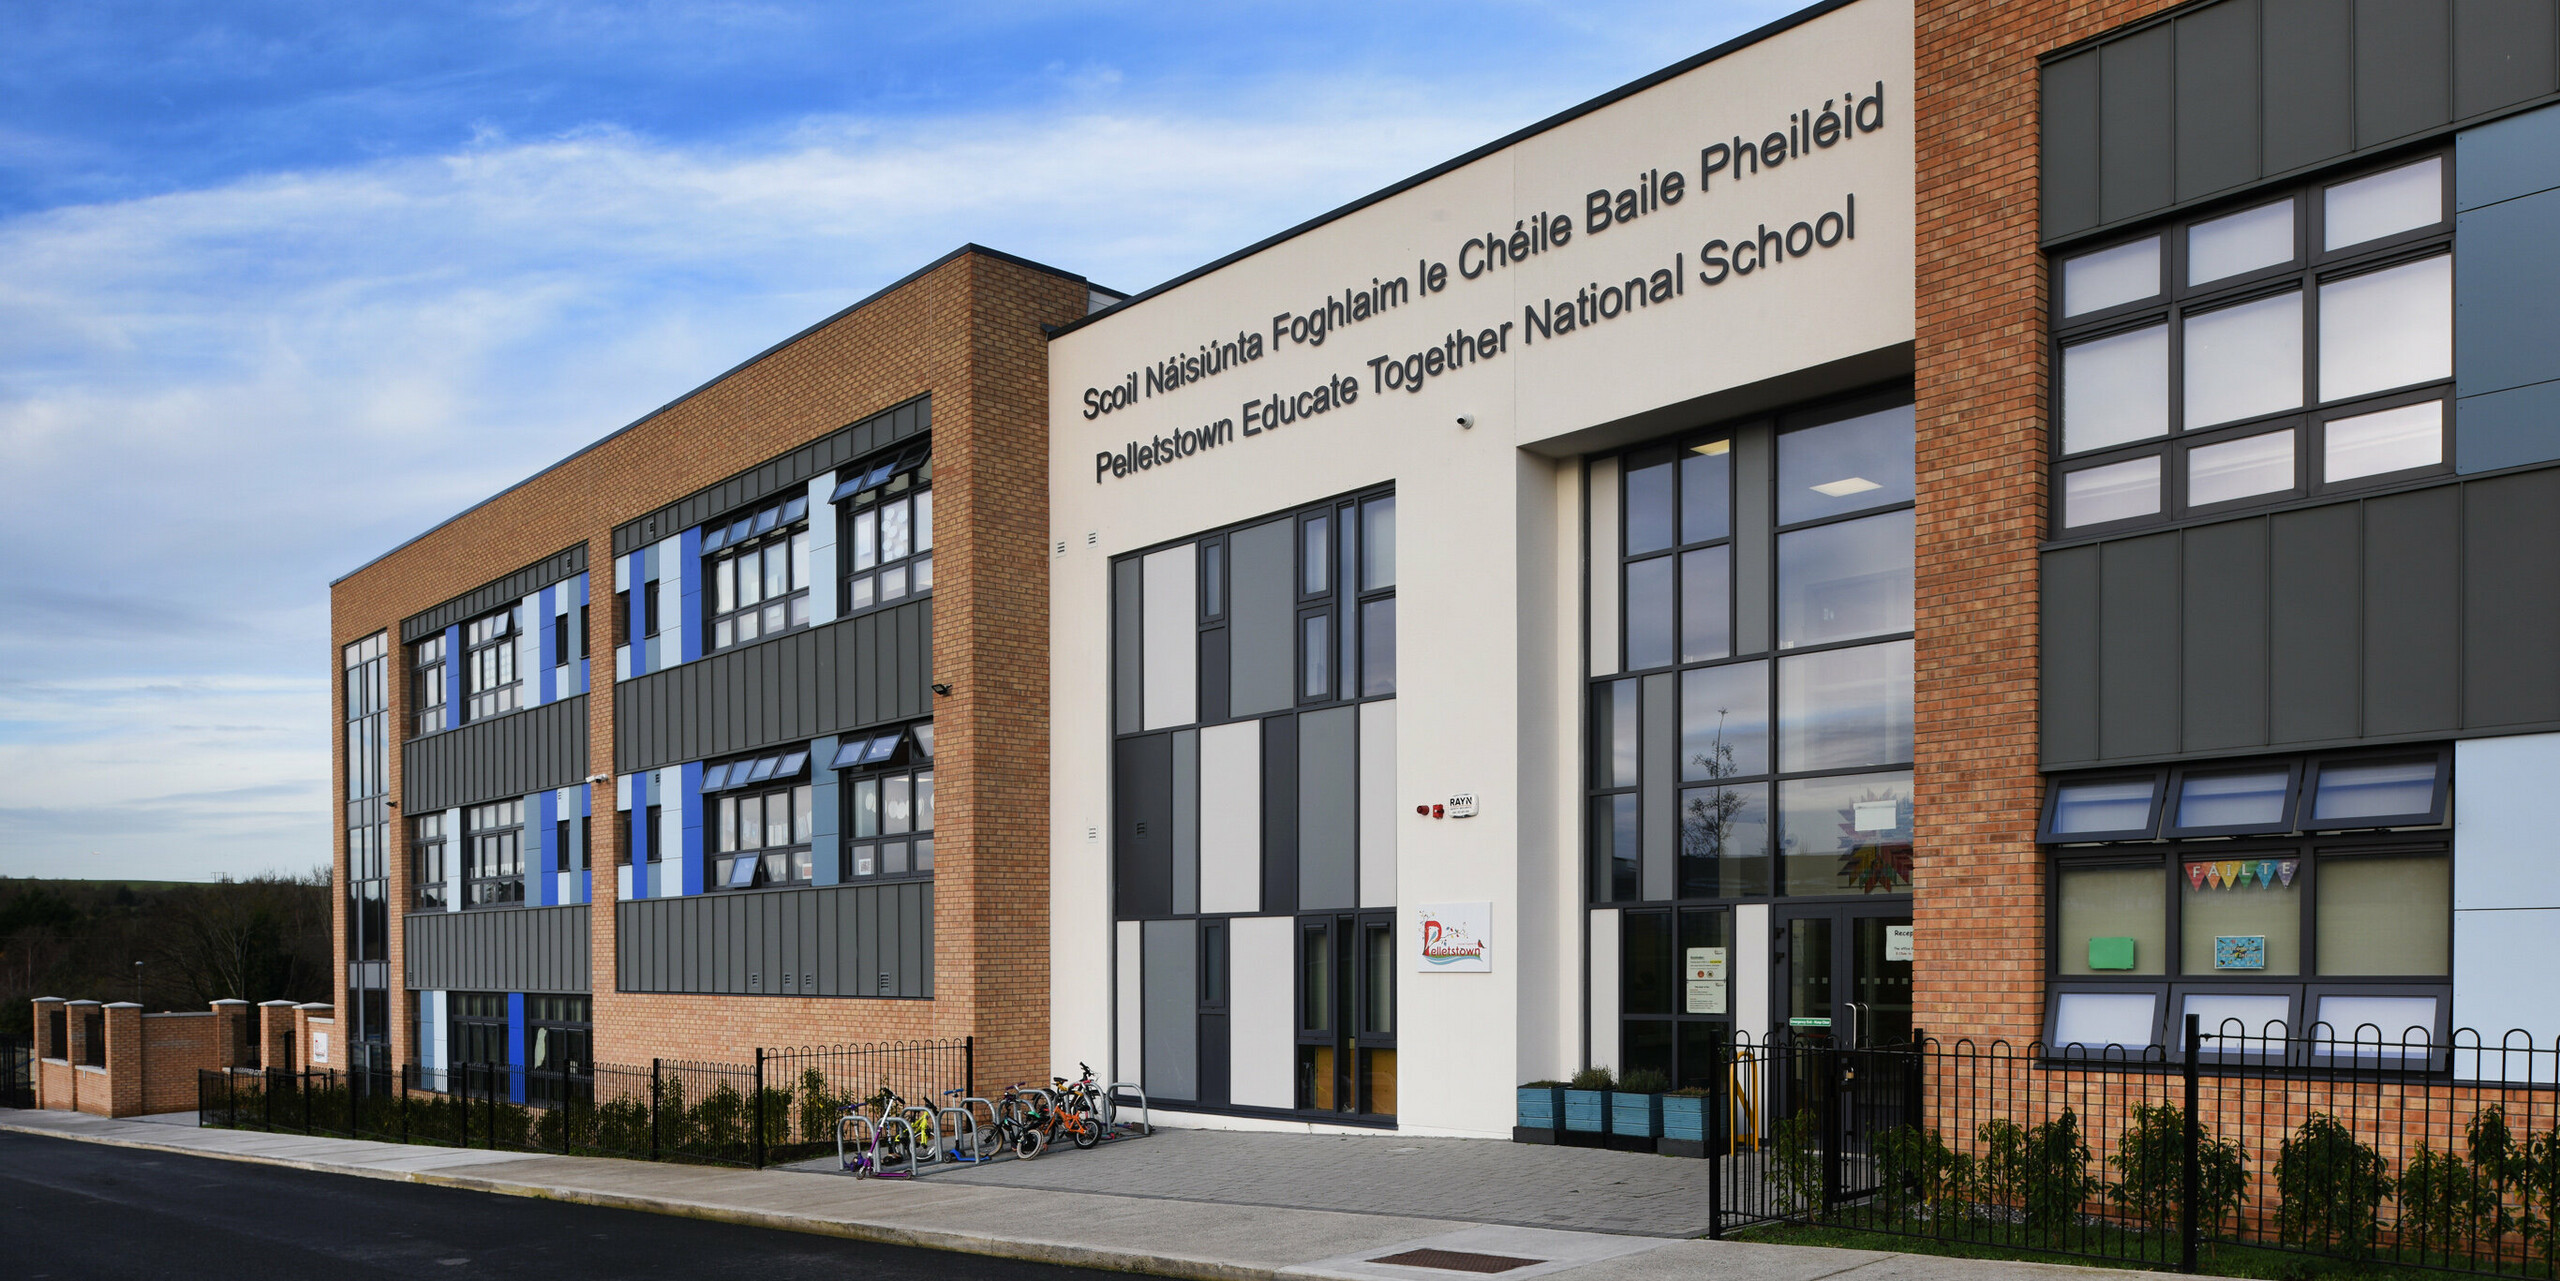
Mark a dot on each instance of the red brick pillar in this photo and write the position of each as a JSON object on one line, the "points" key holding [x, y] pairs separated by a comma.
{"points": [[304, 1051], [275, 1036], [123, 1095], [55, 1097], [231, 1033]]}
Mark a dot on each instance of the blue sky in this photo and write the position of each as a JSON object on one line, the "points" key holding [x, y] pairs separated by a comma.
{"points": [[281, 285]]}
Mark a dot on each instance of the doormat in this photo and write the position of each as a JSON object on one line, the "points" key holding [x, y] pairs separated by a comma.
{"points": [[1457, 1261]]}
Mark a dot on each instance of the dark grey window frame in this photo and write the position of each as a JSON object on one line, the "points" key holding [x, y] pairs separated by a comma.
{"points": [[782, 782], [430, 673], [472, 876], [908, 468], [2180, 775], [433, 850], [911, 757], [2045, 834], [511, 693], [2309, 268], [759, 536]]}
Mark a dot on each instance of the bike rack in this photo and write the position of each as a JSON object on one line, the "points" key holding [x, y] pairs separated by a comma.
{"points": [[914, 1142], [870, 1137], [1111, 1106]]}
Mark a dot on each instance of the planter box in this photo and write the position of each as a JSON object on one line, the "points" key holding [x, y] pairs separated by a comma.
{"points": [[1541, 1114], [1635, 1121], [1684, 1126], [1586, 1118]]}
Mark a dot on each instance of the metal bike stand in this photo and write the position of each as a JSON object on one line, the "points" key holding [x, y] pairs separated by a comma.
{"points": [[1111, 1109], [870, 1138]]}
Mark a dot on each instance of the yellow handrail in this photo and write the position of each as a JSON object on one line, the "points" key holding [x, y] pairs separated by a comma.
{"points": [[1742, 1082]]}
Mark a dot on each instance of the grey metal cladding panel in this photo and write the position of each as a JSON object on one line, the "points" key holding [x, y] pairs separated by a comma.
{"points": [[1127, 631], [826, 928], [2309, 84], [876, 666], [924, 920], [775, 475], [2315, 572], [2511, 599], [2217, 110], [1142, 826], [533, 750], [2404, 68], [2412, 612], [912, 933], [1328, 809], [2502, 53], [2507, 298], [2225, 636], [560, 566], [2070, 144], [2136, 101], [2138, 646], [2068, 631], [1279, 815], [1170, 995], [530, 949], [1658, 758]]}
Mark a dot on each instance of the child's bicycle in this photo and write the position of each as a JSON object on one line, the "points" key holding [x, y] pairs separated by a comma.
{"points": [[1078, 1114], [1023, 1120]]}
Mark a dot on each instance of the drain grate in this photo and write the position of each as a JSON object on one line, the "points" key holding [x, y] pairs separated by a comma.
{"points": [[1458, 1261]]}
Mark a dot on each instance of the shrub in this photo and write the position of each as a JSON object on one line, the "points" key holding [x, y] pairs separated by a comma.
{"points": [[1592, 1078], [1540, 1085], [2042, 1171], [2330, 1188], [818, 1108], [1644, 1081], [2149, 1162], [1919, 1173], [1795, 1168]]}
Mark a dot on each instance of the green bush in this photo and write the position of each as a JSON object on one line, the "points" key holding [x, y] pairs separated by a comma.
{"points": [[2042, 1171], [1795, 1168], [1920, 1174], [2150, 1159], [1644, 1081], [818, 1108], [2330, 1188], [1592, 1078]]}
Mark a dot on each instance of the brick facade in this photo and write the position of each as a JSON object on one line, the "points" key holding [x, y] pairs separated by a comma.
{"points": [[1977, 879], [151, 1060], [967, 330]]}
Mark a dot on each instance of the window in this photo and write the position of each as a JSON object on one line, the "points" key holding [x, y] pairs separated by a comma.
{"points": [[476, 1042], [2346, 791], [761, 821], [757, 571], [1675, 1017], [887, 550], [494, 836], [2220, 363], [489, 646], [429, 870], [1784, 726], [886, 796], [427, 685], [2102, 809], [559, 1044]]}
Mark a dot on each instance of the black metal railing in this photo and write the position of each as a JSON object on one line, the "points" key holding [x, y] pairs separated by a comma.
{"points": [[17, 1072], [2411, 1154], [782, 1106]]}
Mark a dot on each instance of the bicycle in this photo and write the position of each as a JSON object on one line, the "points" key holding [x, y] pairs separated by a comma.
{"points": [[1023, 1119], [1079, 1111]]}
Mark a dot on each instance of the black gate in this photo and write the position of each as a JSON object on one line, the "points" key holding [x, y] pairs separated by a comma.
{"points": [[17, 1072], [1799, 1120]]}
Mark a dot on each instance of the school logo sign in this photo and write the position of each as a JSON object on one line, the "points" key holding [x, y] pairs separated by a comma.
{"points": [[1454, 938]]}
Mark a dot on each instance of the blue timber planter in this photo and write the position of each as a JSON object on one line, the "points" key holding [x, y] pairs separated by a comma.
{"points": [[1541, 1114], [1684, 1125], [1635, 1120], [1586, 1118]]}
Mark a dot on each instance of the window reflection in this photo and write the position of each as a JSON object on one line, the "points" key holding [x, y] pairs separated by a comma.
{"points": [[1840, 582], [1845, 707], [1724, 721], [2115, 390], [1852, 465]]}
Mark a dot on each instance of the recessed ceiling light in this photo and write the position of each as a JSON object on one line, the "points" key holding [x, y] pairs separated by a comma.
{"points": [[1845, 487], [1712, 448]]}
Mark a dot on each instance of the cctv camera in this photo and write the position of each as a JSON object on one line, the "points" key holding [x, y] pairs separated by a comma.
{"points": [[1466, 420]]}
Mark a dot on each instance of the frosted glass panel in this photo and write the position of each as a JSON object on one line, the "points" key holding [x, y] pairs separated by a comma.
{"points": [[1231, 817], [1172, 628], [2123, 805], [2113, 904], [2110, 277], [2393, 200], [2255, 1016], [2381, 1026], [2245, 241], [2239, 468], [2233, 800], [2115, 389], [2385, 916], [2375, 790], [2092, 1021], [2386, 329], [2387, 441], [2117, 491], [2239, 923], [2244, 361]]}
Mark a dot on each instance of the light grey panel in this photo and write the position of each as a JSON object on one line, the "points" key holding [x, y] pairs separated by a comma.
{"points": [[2070, 145], [2217, 115], [2068, 642], [1261, 617], [2412, 611], [2135, 100], [2225, 637], [2502, 53], [2138, 647], [1186, 822], [531, 949], [2507, 302], [1660, 751], [2314, 566], [1171, 998], [2310, 82], [1128, 645], [1328, 811], [2404, 68], [1751, 544], [2511, 599]]}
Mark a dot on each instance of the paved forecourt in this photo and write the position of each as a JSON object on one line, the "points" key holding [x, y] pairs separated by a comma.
{"points": [[1184, 1233]]}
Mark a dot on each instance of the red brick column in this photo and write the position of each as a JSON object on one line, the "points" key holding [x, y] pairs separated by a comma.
{"points": [[303, 1017], [50, 1084], [276, 1040], [125, 1059], [88, 1089], [231, 1037]]}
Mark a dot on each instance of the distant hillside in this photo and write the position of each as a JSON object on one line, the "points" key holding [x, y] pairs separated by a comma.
{"points": [[258, 940]]}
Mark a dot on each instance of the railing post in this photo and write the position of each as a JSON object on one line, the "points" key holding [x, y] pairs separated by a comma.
{"points": [[1830, 1062], [1719, 1140], [2187, 1172], [969, 1065], [654, 1091], [759, 1146], [404, 1104]]}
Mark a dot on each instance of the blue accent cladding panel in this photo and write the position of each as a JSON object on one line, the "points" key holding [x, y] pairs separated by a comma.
{"points": [[688, 569], [689, 795], [822, 812], [515, 1045], [2517, 156], [2507, 428], [453, 678]]}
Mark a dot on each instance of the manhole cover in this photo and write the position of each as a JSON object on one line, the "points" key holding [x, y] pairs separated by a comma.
{"points": [[1458, 1261]]}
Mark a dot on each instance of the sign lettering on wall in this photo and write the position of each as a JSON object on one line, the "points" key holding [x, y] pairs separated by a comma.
{"points": [[1453, 938]]}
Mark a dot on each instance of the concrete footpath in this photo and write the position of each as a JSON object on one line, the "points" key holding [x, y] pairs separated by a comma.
{"points": [[1240, 1226]]}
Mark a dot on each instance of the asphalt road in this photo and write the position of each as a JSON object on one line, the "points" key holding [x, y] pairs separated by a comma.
{"points": [[73, 1211]]}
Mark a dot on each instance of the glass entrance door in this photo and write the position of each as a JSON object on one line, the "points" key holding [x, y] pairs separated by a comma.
{"points": [[1843, 974]]}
